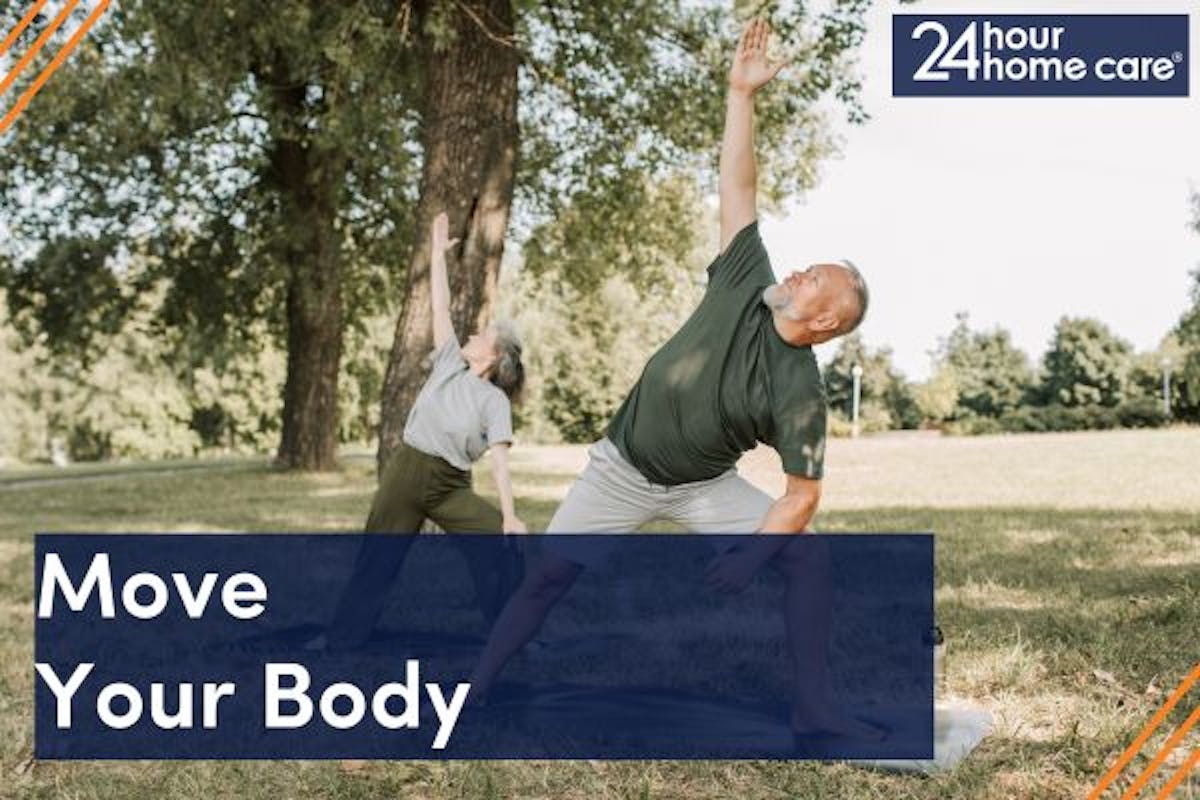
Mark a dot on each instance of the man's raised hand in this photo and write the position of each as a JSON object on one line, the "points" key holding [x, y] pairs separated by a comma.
{"points": [[751, 68]]}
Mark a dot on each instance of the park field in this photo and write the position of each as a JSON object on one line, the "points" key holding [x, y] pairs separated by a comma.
{"points": [[1068, 584]]}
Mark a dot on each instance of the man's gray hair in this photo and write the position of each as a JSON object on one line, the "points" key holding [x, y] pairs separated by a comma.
{"points": [[862, 295], [508, 373]]}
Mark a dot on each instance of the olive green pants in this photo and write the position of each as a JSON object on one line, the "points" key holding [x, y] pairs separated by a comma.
{"points": [[414, 487]]}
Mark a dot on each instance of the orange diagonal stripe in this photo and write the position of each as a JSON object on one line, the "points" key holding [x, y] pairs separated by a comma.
{"points": [[1179, 775], [37, 46], [62, 56], [1154, 722], [1167, 747], [21, 26]]}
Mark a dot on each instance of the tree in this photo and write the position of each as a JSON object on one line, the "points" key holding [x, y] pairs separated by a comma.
{"points": [[1146, 376], [607, 94], [286, 166], [884, 390], [1086, 364], [937, 398], [991, 375], [255, 164], [588, 323], [24, 433], [469, 140], [1186, 335], [125, 402], [1185, 364]]}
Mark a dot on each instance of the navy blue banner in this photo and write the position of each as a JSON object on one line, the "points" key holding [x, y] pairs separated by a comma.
{"points": [[1040, 55], [204, 646]]}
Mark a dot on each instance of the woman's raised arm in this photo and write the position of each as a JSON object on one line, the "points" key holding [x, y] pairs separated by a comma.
{"points": [[439, 284]]}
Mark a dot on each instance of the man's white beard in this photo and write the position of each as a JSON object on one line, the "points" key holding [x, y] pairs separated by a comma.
{"points": [[779, 299], [775, 297]]}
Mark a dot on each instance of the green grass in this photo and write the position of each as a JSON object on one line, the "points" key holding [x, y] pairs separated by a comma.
{"points": [[1068, 584]]}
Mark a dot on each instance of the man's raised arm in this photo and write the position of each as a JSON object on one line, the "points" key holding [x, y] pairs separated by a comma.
{"points": [[739, 175]]}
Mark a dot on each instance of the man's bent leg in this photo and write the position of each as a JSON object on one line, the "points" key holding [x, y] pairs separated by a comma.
{"points": [[808, 611], [731, 504], [522, 617], [608, 497], [727, 504]]}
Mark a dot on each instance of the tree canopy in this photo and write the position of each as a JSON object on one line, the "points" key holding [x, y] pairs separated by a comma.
{"points": [[990, 373], [1087, 364], [236, 169]]}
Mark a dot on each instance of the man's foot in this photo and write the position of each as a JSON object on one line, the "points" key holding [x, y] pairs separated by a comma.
{"points": [[826, 721]]}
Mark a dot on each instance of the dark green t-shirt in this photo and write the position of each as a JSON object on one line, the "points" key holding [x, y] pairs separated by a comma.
{"points": [[723, 382]]}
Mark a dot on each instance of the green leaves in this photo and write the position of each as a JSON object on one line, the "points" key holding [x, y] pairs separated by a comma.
{"points": [[1086, 364], [156, 137], [638, 88], [640, 231], [592, 312], [991, 374], [886, 398], [73, 297], [159, 144]]}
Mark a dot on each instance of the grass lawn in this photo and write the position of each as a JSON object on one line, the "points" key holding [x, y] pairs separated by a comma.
{"points": [[1068, 585]]}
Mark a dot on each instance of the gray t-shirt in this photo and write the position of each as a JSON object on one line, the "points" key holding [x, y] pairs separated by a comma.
{"points": [[458, 415]]}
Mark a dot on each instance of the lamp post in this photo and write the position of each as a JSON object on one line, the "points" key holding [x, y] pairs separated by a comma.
{"points": [[857, 372], [1166, 368]]}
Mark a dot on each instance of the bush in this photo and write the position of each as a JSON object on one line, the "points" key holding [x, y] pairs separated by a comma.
{"points": [[1140, 413], [1144, 412], [874, 417], [982, 426], [974, 426], [1026, 419]]}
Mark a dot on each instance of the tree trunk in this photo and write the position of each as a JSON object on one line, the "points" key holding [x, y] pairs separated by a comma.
{"points": [[308, 182], [469, 138]]}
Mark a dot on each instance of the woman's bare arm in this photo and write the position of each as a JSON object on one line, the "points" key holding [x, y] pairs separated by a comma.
{"points": [[512, 524], [439, 284]]}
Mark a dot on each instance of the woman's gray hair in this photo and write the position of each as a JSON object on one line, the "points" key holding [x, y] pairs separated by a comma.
{"points": [[508, 373]]}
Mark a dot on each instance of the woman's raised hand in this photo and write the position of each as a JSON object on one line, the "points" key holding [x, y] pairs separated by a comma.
{"points": [[441, 232]]}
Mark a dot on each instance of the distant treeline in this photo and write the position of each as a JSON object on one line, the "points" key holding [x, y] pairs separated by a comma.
{"points": [[1088, 379], [141, 397]]}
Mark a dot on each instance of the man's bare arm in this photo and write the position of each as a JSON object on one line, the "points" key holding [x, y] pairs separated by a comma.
{"points": [[792, 512], [738, 172], [789, 515]]}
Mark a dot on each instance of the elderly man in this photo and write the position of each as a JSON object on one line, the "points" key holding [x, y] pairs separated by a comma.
{"points": [[741, 370]]}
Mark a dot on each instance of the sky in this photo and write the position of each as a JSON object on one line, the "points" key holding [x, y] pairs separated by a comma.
{"points": [[1015, 210]]}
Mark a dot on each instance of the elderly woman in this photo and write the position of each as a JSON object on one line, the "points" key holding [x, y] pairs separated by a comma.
{"points": [[463, 410]]}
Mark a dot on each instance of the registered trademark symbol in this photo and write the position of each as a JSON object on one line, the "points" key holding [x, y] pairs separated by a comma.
{"points": [[1177, 57]]}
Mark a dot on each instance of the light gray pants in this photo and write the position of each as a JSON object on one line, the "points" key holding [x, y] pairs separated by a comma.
{"points": [[611, 496]]}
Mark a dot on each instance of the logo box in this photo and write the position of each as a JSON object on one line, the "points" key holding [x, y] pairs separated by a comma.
{"points": [[1040, 55]]}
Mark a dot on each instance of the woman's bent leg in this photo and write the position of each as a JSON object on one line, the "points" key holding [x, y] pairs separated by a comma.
{"points": [[495, 563], [395, 518]]}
